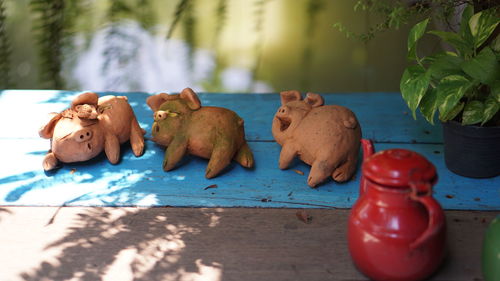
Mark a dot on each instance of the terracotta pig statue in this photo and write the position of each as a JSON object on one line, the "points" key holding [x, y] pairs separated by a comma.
{"points": [[184, 126], [327, 137], [88, 127]]}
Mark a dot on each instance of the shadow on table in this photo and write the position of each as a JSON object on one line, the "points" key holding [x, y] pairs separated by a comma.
{"points": [[227, 244], [193, 244], [130, 244]]}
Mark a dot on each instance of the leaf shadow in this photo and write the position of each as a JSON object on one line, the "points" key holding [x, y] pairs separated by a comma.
{"points": [[162, 243], [216, 244], [94, 170]]}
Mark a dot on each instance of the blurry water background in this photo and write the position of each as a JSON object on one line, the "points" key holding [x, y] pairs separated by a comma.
{"points": [[211, 46]]}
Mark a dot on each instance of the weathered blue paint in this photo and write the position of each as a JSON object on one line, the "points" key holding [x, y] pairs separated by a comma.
{"points": [[142, 182]]}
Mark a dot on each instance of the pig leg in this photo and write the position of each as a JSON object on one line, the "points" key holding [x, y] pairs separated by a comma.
{"points": [[288, 152], [244, 156], [345, 171], [49, 162], [136, 138], [320, 170], [174, 153], [222, 154], [112, 148]]}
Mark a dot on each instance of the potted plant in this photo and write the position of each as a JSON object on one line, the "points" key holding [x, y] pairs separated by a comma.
{"points": [[463, 86]]}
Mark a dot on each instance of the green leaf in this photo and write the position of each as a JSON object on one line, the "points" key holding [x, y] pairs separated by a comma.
{"points": [[464, 25], [415, 34], [473, 113], [449, 92], [462, 46], [445, 64], [414, 84], [495, 44], [491, 107], [396, 16], [484, 67], [453, 112], [482, 25], [360, 5], [432, 58], [495, 90], [428, 105]]}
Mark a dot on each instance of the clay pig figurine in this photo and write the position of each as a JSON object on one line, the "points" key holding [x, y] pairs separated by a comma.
{"points": [[327, 137], [184, 126], [88, 127]]}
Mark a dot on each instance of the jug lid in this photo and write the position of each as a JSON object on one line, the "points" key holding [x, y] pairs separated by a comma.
{"points": [[394, 167]]}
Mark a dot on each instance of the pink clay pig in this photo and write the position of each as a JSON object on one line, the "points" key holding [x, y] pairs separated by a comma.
{"points": [[92, 125], [327, 137]]}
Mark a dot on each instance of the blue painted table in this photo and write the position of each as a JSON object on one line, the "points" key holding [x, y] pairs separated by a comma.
{"points": [[142, 182]]}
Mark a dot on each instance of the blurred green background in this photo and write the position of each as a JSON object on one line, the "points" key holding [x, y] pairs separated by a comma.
{"points": [[216, 46]]}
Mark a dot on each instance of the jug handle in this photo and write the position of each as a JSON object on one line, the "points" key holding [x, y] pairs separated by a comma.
{"points": [[368, 150], [436, 215]]}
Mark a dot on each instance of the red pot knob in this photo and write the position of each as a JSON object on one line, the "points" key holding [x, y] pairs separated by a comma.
{"points": [[396, 167]]}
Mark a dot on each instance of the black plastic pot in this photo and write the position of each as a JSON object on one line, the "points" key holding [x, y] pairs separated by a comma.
{"points": [[472, 151]]}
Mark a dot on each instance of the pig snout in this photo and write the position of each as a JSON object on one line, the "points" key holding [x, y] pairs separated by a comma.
{"points": [[283, 111], [82, 135], [283, 116]]}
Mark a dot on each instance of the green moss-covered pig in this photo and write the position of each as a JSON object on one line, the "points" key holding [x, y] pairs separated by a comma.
{"points": [[184, 126]]}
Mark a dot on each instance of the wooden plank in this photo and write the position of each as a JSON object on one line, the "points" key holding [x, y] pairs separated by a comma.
{"points": [[202, 244], [383, 116], [142, 182]]}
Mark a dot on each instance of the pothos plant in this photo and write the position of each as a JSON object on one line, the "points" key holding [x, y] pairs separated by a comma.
{"points": [[463, 84]]}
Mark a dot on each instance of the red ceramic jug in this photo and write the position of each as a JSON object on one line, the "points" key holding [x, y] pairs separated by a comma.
{"points": [[396, 228]]}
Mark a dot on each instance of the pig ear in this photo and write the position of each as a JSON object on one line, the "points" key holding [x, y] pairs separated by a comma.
{"points": [[314, 100], [47, 131], [191, 98], [85, 98], [288, 96], [154, 102]]}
